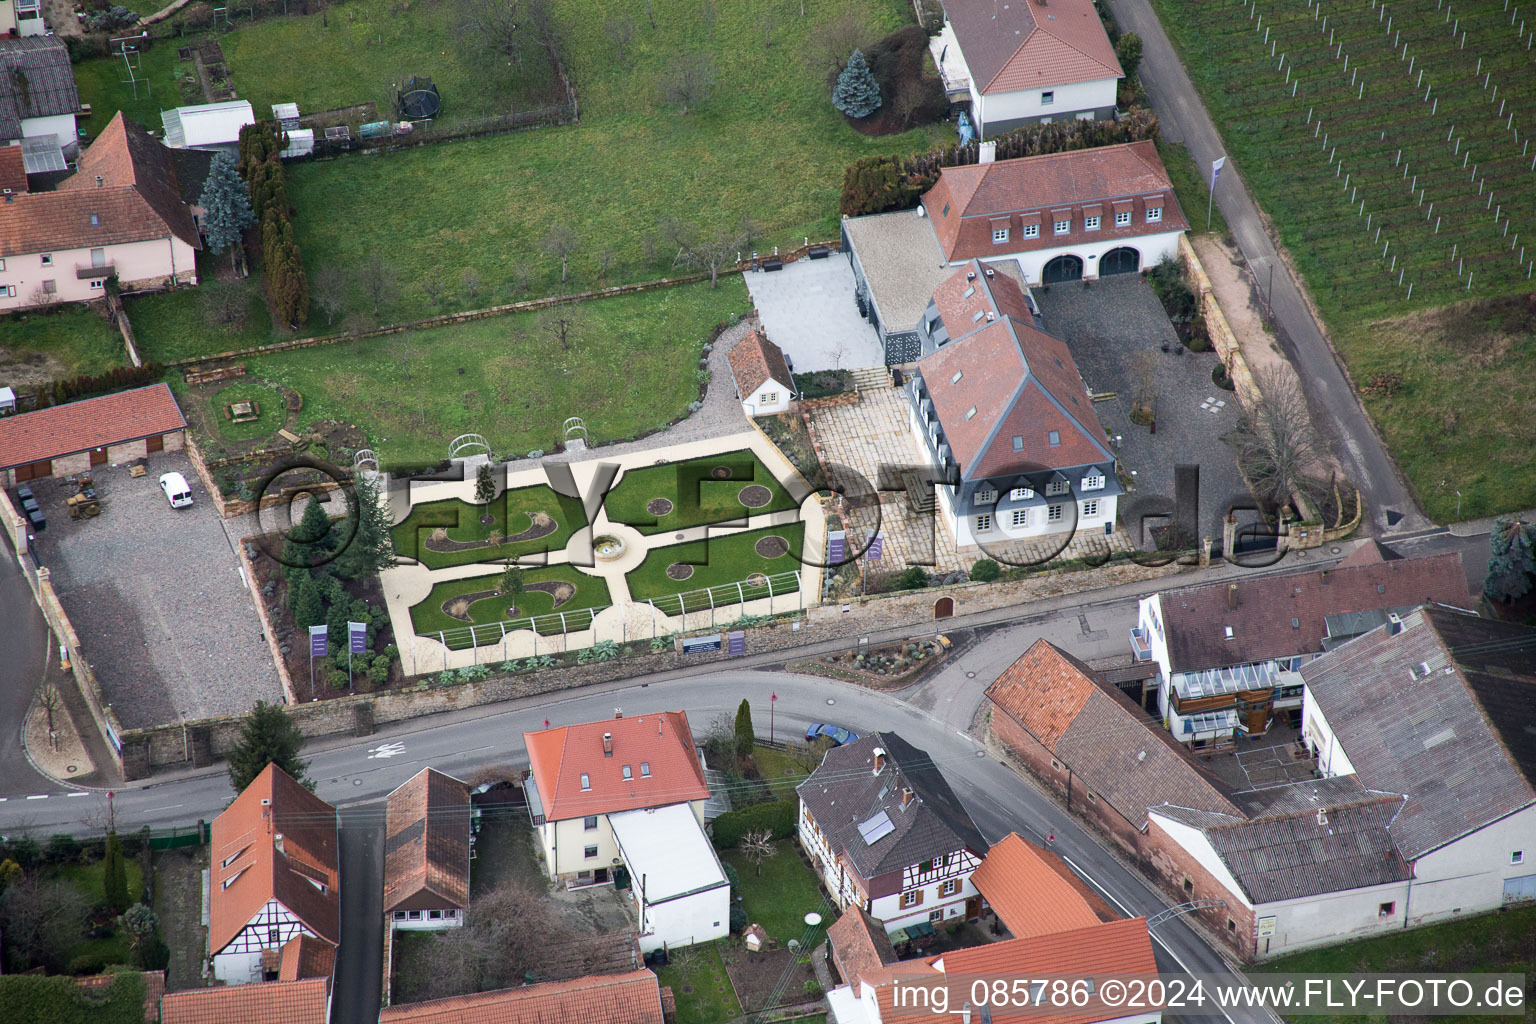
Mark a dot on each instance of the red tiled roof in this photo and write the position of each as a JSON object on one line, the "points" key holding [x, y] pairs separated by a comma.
{"points": [[305, 956], [267, 1002], [756, 360], [1195, 618], [860, 946], [966, 200], [1030, 897], [561, 756], [93, 423], [124, 154], [1020, 46], [246, 836], [154, 988], [13, 169], [633, 997], [426, 844]]}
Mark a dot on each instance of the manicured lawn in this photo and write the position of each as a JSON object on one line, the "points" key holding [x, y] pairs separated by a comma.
{"points": [[780, 771], [171, 325], [716, 561], [766, 144], [695, 491], [45, 346], [703, 994], [1192, 185], [1314, 159], [630, 369], [89, 878], [343, 58], [428, 617], [103, 83], [514, 511], [786, 892], [268, 402]]}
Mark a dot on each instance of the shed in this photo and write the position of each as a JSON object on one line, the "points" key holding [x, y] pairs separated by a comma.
{"points": [[72, 438], [681, 889], [213, 126], [7, 401]]}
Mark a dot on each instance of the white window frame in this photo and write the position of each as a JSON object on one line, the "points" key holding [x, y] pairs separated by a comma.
{"points": [[1054, 513], [1064, 227], [1122, 218], [1031, 230], [1517, 857], [1021, 494], [586, 782], [1093, 481], [1020, 518], [1056, 487], [949, 887], [1047, 97], [999, 236], [589, 853], [1090, 223], [1090, 507], [985, 496], [769, 398], [984, 522], [589, 823], [1154, 214], [8, 290]]}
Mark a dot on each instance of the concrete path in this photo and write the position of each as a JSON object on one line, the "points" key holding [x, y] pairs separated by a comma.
{"points": [[808, 310], [1334, 405]]}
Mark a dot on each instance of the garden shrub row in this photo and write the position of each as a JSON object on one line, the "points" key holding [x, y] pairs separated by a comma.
{"points": [[119, 378], [262, 167], [56, 1000], [778, 816]]}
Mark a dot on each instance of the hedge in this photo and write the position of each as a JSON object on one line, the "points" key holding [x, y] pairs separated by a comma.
{"points": [[778, 816], [35, 999]]}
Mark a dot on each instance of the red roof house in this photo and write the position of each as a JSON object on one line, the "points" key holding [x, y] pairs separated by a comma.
{"points": [[633, 997], [73, 437]]}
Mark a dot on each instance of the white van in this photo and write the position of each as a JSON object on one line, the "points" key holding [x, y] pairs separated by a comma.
{"points": [[176, 490]]}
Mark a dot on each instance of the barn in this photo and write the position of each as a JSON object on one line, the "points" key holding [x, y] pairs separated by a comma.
{"points": [[71, 438]]}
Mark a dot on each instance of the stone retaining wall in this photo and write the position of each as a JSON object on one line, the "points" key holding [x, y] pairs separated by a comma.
{"points": [[1222, 338]]}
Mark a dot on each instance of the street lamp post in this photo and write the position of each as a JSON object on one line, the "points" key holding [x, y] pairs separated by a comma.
{"points": [[773, 698]]}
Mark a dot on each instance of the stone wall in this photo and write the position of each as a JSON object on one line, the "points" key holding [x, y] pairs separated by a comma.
{"points": [[1222, 338], [1172, 867]]}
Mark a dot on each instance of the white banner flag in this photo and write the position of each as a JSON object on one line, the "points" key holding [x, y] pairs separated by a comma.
{"points": [[1216, 166]]}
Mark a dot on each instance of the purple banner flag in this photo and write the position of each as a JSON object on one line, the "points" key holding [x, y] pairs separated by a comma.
{"points": [[317, 646], [876, 546], [836, 546], [357, 637]]}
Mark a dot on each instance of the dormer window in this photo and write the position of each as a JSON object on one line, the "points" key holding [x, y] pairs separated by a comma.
{"points": [[1021, 494], [1053, 438], [629, 773], [1154, 214], [970, 413], [586, 782], [985, 496], [1031, 230], [1122, 218], [1064, 226], [1093, 481], [1056, 487], [999, 236]]}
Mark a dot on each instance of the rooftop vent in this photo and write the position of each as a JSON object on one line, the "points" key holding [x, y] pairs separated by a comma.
{"points": [[1420, 670], [991, 272], [970, 275], [1394, 624]]}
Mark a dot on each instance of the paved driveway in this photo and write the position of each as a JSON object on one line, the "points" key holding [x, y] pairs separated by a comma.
{"points": [[1108, 327], [156, 596], [808, 310]]}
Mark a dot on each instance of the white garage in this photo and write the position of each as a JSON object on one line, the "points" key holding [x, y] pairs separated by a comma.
{"points": [[675, 877]]}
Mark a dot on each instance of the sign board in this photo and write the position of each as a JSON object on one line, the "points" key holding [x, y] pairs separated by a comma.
{"points": [[701, 644], [317, 645], [837, 547], [1266, 927], [876, 546], [738, 644], [357, 637]]}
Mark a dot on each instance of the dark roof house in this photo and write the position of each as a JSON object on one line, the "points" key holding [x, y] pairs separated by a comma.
{"points": [[36, 80], [882, 779], [426, 844]]}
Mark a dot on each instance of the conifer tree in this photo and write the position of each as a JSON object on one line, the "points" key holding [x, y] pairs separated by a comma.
{"points": [[227, 203], [857, 93], [267, 737], [1511, 560]]}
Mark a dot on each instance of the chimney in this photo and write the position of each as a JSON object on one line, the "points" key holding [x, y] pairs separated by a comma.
{"points": [[277, 841], [991, 273], [266, 812], [1396, 624], [879, 753], [618, 713], [986, 153], [906, 798], [1323, 576], [1232, 595], [607, 744], [970, 275], [98, 181]]}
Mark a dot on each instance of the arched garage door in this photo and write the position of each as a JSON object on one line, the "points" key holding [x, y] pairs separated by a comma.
{"points": [[1123, 260], [1062, 268]]}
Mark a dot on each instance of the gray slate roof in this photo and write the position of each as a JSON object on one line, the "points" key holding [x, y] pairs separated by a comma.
{"points": [[845, 791], [902, 264], [42, 63], [1457, 741]]}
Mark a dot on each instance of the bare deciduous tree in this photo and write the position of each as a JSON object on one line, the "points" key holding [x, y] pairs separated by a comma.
{"points": [[378, 281], [561, 323], [51, 702], [758, 845], [330, 293], [558, 244], [521, 278], [834, 43], [712, 251], [676, 234], [907, 102], [471, 282], [1279, 448], [690, 80], [750, 231], [42, 298], [42, 917], [224, 306], [769, 22], [621, 30], [605, 261], [499, 26], [432, 288]]}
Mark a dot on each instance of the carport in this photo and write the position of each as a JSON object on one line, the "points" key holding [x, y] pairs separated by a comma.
{"points": [[810, 311]]}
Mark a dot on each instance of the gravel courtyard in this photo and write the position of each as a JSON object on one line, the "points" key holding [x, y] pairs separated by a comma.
{"points": [[156, 596]]}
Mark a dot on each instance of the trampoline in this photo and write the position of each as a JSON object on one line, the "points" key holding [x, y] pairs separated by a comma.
{"points": [[418, 100]]}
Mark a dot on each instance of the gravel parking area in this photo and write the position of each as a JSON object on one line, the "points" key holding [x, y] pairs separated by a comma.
{"points": [[1107, 326], [156, 595]]}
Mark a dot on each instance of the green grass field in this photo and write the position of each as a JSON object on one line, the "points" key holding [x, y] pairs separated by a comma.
{"points": [[73, 340], [767, 144], [786, 891], [697, 496], [703, 992], [269, 403], [103, 83], [171, 325], [428, 617], [513, 511], [716, 561], [1192, 188], [1447, 183], [507, 378]]}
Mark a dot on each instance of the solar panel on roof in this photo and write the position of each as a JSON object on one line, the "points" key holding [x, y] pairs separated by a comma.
{"points": [[876, 828]]}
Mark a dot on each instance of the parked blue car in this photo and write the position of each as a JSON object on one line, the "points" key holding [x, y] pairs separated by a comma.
{"points": [[836, 733]]}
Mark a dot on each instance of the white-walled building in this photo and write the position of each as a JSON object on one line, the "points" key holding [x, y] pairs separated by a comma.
{"points": [[888, 835], [208, 126], [1002, 413], [1229, 655], [764, 382], [1026, 63], [274, 879], [426, 852], [680, 890], [38, 98]]}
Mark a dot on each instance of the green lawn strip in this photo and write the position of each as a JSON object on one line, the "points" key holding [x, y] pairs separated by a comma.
{"points": [[697, 497], [1192, 185], [90, 879], [428, 618], [171, 325], [1449, 425], [717, 561], [767, 144], [76, 337], [704, 994], [783, 895], [344, 58], [513, 512], [1487, 943], [103, 83], [517, 385], [268, 402], [781, 772]]}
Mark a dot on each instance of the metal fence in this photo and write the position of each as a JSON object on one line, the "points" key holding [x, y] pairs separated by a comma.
{"points": [[714, 600]]}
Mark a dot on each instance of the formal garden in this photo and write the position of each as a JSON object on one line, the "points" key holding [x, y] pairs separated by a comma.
{"points": [[756, 560], [708, 489], [479, 601], [514, 524], [1391, 155]]}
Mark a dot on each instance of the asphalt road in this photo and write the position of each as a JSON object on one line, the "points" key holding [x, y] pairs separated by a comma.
{"points": [[24, 652], [359, 967], [1333, 402]]}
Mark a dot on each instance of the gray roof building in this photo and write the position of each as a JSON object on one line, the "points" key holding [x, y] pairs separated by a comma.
{"points": [[887, 811], [36, 80]]}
